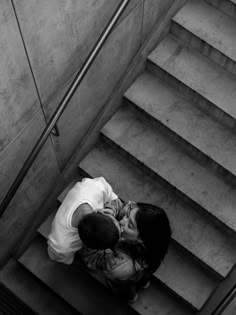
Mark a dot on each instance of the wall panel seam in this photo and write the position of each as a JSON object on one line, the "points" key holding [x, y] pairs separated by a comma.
{"points": [[27, 56], [128, 15], [37, 113], [34, 79], [141, 35]]}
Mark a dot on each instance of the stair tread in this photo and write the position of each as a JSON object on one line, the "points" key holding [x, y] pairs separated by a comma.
{"points": [[156, 300], [226, 6], [130, 183], [45, 227], [63, 194], [209, 24], [79, 289], [232, 1], [197, 72], [165, 158], [32, 292], [172, 110], [185, 277]]}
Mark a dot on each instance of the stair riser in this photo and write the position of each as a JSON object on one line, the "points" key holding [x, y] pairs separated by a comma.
{"points": [[225, 6], [203, 47], [206, 106], [185, 145], [168, 185], [172, 292]]}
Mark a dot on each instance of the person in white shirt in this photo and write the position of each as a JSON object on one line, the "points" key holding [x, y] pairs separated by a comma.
{"points": [[85, 198]]}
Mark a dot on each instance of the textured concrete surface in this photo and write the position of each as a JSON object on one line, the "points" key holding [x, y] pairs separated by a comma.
{"points": [[21, 122], [226, 6], [59, 36], [165, 158], [203, 47], [197, 72], [13, 158], [231, 308], [35, 187], [168, 107], [153, 10], [105, 73], [18, 97], [201, 237], [76, 287], [58, 43], [32, 292], [159, 301], [46, 226], [210, 25], [186, 277]]}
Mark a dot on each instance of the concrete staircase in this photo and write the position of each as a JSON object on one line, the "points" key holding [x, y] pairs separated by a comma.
{"points": [[173, 144]]}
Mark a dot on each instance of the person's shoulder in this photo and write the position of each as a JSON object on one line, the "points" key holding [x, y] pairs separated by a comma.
{"points": [[94, 180]]}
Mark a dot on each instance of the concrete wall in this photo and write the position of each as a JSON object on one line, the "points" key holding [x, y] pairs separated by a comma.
{"points": [[231, 308], [42, 45]]}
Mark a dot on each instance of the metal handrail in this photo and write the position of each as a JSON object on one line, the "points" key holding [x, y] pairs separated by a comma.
{"points": [[63, 104]]}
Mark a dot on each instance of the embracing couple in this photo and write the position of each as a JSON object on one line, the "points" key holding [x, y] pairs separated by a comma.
{"points": [[124, 242]]}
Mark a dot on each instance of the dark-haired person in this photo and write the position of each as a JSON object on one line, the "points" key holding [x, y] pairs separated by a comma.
{"points": [[83, 201], [145, 237]]}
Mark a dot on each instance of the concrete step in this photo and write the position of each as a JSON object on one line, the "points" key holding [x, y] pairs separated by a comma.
{"points": [[208, 30], [79, 289], [226, 6], [204, 138], [185, 277], [163, 157], [196, 77], [10, 304], [158, 300], [45, 227], [63, 194], [33, 292]]}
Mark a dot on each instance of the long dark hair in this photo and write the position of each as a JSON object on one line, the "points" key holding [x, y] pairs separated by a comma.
{"points": [[155, 233]]}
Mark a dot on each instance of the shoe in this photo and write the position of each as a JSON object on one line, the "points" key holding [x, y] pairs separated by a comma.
{"points": [[146, 285], [133, 299]]}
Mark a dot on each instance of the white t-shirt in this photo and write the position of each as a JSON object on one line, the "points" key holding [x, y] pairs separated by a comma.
{"points": [[64, 240]]}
